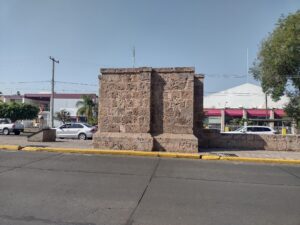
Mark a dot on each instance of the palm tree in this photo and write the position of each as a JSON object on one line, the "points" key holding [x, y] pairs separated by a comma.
{"points": [[86, 107]]}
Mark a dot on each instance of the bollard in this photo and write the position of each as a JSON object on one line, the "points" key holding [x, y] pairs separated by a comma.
{"points": [[283, 131]]}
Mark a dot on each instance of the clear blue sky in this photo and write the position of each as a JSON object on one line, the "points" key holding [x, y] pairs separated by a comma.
{"points": [[85, 35]]}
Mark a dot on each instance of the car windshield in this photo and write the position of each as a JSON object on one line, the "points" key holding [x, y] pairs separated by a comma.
{"points": [[87, 125]]}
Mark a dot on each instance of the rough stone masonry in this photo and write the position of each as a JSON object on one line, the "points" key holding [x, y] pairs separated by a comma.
{"points": [[150, 109]]}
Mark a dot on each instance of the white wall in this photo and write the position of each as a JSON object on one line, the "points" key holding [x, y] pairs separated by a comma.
{"points": [[67, 104], [243, 96]]}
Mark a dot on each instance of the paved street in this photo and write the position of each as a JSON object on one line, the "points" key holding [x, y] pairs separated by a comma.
{"points": [[50, 188]]}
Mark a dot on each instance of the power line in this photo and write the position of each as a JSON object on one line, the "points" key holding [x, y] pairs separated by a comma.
{"points": [[26, 82], [74, 83], [239, 76], [225, 75]]}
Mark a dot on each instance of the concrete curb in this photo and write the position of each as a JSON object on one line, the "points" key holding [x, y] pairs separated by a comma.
{"points": [[151, 154], [210, 157], [10, 147], [115, 152]]}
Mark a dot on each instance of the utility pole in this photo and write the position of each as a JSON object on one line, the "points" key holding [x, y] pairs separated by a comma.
{"points": [[52, 92]]}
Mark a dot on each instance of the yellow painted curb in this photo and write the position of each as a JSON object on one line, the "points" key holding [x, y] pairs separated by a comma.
{"points": [[63, 150], [91, 151], [261, 160], [10, 147], [189, 155], [210, 157], [152, 154], [115, 152], [179, 155]]}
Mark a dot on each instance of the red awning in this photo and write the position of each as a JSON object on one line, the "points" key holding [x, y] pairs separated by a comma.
{"points": [[239, 112], [234, 112], [212, 112], [279, 112], [258, 113]]}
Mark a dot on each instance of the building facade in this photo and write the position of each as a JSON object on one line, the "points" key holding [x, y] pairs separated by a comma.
{"points": [[42, 100], [243, 104]]}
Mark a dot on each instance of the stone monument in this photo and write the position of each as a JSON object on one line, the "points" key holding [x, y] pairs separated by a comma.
{"points": [[150, 109]]}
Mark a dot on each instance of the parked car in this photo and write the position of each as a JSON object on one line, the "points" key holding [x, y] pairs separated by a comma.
{"points": [[7, 127], [80, 131], [253, 130]]}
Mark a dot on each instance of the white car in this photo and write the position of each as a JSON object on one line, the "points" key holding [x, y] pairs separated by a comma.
{"points": [[7, 127], [80, 131], [253, 130]]}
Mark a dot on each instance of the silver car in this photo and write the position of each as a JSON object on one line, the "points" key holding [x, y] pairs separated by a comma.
{"points": [[80, 131], [253, 130]]}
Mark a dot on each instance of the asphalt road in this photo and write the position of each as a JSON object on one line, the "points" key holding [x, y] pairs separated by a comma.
{"points": [[69, 189]]}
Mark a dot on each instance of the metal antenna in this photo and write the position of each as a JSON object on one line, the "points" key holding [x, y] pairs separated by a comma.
{"points": [[133, 56], [247, 66]]}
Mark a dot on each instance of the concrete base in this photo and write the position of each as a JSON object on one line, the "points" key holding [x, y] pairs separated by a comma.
{"points": [[123, 141], [145, 142], [46, 135], [175, 143]]}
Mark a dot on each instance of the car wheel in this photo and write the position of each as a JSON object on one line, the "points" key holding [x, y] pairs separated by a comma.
{"points": [[17, 132], [81, 136], [5, 131]]}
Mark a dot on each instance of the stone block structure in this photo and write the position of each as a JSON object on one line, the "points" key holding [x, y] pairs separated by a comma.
{"points": [[150, 109], [44, 135]]}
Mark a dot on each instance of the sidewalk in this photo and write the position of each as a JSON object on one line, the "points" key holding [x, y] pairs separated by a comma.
{"points": [[60, 143], [256, 154], [87, 144]]}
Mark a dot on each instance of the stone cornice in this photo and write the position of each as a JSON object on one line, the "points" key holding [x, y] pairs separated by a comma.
{"points": [[106, 71]]}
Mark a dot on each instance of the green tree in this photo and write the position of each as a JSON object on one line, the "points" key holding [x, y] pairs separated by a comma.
{"points": [[86, 108], [18, 111], [63, 116], [293, 108], [278, 63]]}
